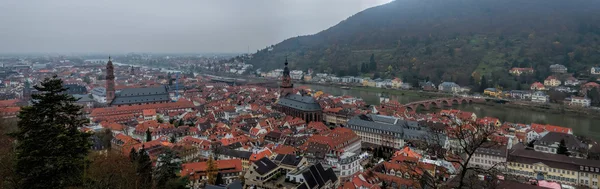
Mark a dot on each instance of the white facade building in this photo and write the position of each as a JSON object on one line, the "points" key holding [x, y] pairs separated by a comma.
{"points": [[539, 97], [580, 101]]}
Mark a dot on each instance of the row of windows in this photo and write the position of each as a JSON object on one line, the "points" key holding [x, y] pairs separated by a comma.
{"points": [[477, 160], [532, 174], [591, 169], [488, 156], [542, 168], [587, 175], [545, 149], [353, 127]]}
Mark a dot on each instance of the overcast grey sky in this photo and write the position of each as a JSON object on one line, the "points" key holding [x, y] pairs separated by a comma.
{"points": [[196, 26]]}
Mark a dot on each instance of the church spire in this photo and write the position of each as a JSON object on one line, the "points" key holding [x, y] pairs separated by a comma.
{"points": [[286, 81], [110, 81]]}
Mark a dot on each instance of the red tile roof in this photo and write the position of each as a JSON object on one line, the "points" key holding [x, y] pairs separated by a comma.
{"points": [[7, 103], [198, 169], [149, 112], [112, 126], [260, 155], [284, 149], [552, 128], [137, 109]]}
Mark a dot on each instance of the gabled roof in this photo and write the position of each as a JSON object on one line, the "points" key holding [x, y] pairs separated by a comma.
{"points": [[317, 176], [264, 166], [288, 159], [141, 95], [299, 102]]}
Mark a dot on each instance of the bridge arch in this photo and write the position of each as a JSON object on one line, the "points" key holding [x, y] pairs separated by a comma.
{"points": [[455, 101], [464, 101], [447, 102], [435, 104], [422, 106]]}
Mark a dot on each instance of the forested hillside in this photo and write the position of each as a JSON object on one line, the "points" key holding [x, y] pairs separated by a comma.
{"points": [[450, 40]]}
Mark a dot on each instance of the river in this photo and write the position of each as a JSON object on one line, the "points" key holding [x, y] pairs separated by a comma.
{"points": [[581, 125]]}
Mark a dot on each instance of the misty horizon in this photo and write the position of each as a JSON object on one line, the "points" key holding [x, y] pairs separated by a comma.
{"points": [[70, 26]]}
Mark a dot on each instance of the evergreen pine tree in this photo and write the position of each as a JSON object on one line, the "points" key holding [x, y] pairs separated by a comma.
{"points": [[51, 150], [166, 168], [562, 148], [594, 96], [483, 84], [181, 122], [219, 180], [372, 63], [144, 169], [148, 135], [133, 155], [472, 82]]}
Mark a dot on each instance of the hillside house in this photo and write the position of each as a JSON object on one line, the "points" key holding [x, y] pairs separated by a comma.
{"points": [[396, 83], [449, 87], [558, 68], [580, 101], [552, 81], [519, 71], [537, 86], [595, 70], [539, 97], [572, 81], [492, 92], [589, 86]]}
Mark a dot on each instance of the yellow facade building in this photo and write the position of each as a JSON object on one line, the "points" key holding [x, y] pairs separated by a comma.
{"points": [[553, 167]]}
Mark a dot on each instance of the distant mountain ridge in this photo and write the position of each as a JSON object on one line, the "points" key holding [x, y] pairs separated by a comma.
{"points": [[449, 40]]}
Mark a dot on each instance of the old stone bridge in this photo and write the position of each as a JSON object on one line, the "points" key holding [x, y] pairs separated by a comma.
{"points": [[439, 103]]}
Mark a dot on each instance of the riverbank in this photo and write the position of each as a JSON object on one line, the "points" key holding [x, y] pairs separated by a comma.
{"points": [[385, 91], [553, 109]]}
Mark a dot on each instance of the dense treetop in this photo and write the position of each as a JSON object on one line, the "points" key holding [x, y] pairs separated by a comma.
{"points": [[449, 40]]}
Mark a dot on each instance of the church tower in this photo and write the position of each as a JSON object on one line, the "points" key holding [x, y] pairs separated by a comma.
{"points": [[286, 87], [110, 81]]}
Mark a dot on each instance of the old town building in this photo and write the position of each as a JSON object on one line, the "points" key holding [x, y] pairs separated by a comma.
{"points": [[132, 96], [302, 106]]}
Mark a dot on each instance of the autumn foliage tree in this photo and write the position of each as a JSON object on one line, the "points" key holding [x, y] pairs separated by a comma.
{"points": [[211, 170], [110, 170]]}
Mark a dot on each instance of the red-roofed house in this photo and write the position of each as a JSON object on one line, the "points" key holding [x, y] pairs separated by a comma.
{"points": [[589, 86], [228, 140], [552, 128], [260, 154], [8, 103], [149, 114], [122, 143], [317, 127], [537, 86], [489, 121], [9, 112], [114, 127], [339, 140], [519, 71], [552, 81], [467, 116], [361, 181], [230, 169], [407, 152]]}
